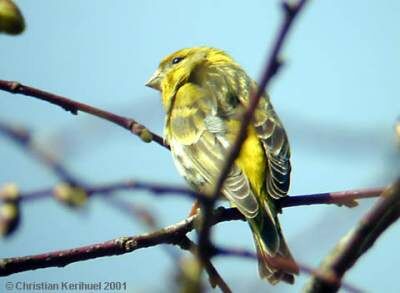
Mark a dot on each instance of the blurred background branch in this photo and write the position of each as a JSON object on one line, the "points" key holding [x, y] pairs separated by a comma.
{"points": [[357, 242]]}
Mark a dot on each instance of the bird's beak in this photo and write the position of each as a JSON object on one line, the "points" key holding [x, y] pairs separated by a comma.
{"points": [[155, 80]]}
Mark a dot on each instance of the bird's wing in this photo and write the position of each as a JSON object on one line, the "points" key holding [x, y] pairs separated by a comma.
{"points": [[276, 145], [200, 141]]}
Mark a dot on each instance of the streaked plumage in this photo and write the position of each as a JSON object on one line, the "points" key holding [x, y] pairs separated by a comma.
{"points": [[204, 91]]}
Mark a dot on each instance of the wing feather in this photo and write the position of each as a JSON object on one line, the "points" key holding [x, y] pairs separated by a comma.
{"points": [[276, 144], [201, 151]]}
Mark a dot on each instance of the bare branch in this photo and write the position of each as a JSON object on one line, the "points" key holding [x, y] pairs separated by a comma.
{"points": [[346, 198], [173, 234], [358, 240], [74, 106], [23, 138], [169, 235]]}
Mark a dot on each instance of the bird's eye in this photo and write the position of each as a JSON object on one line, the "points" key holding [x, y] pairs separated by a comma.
{"points": [[177, 60]]}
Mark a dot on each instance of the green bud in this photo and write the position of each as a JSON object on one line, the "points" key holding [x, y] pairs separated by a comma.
{"points": [[146, 136], [8, 211], [189, 277], [73, 196], [9, 192], [352, 203], [9, 218], [11, 20]]}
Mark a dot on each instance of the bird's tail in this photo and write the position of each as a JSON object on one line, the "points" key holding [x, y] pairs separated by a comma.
{"points": [[275, 263]]}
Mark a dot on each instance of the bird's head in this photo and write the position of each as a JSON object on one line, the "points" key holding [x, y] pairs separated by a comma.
{"points": [[182, 66]]}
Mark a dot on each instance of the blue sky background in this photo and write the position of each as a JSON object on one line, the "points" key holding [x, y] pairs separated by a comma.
{"points": [[338, 96]]}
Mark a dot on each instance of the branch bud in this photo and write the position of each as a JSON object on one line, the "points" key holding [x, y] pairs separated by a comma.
{"points": [[73, 196], [9, 218], [189, 277], [11, 20], [9, 193]]}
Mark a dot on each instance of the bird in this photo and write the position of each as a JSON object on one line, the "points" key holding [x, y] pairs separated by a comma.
{"points": [[204, 93]]}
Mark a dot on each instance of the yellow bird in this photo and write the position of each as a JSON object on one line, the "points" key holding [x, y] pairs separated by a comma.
{"points": [[204, 92]]}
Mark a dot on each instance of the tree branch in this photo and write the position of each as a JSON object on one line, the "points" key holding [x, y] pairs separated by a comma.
{"points": [[74, 106], [358, 240], [173, 234], [169, 235], [23, 138], [347, 198]]}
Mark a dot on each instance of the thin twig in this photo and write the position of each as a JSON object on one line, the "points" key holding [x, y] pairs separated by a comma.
{"points": [[347, 197], [74, 106], [358, 240], [169, 235], [23, 138]]}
